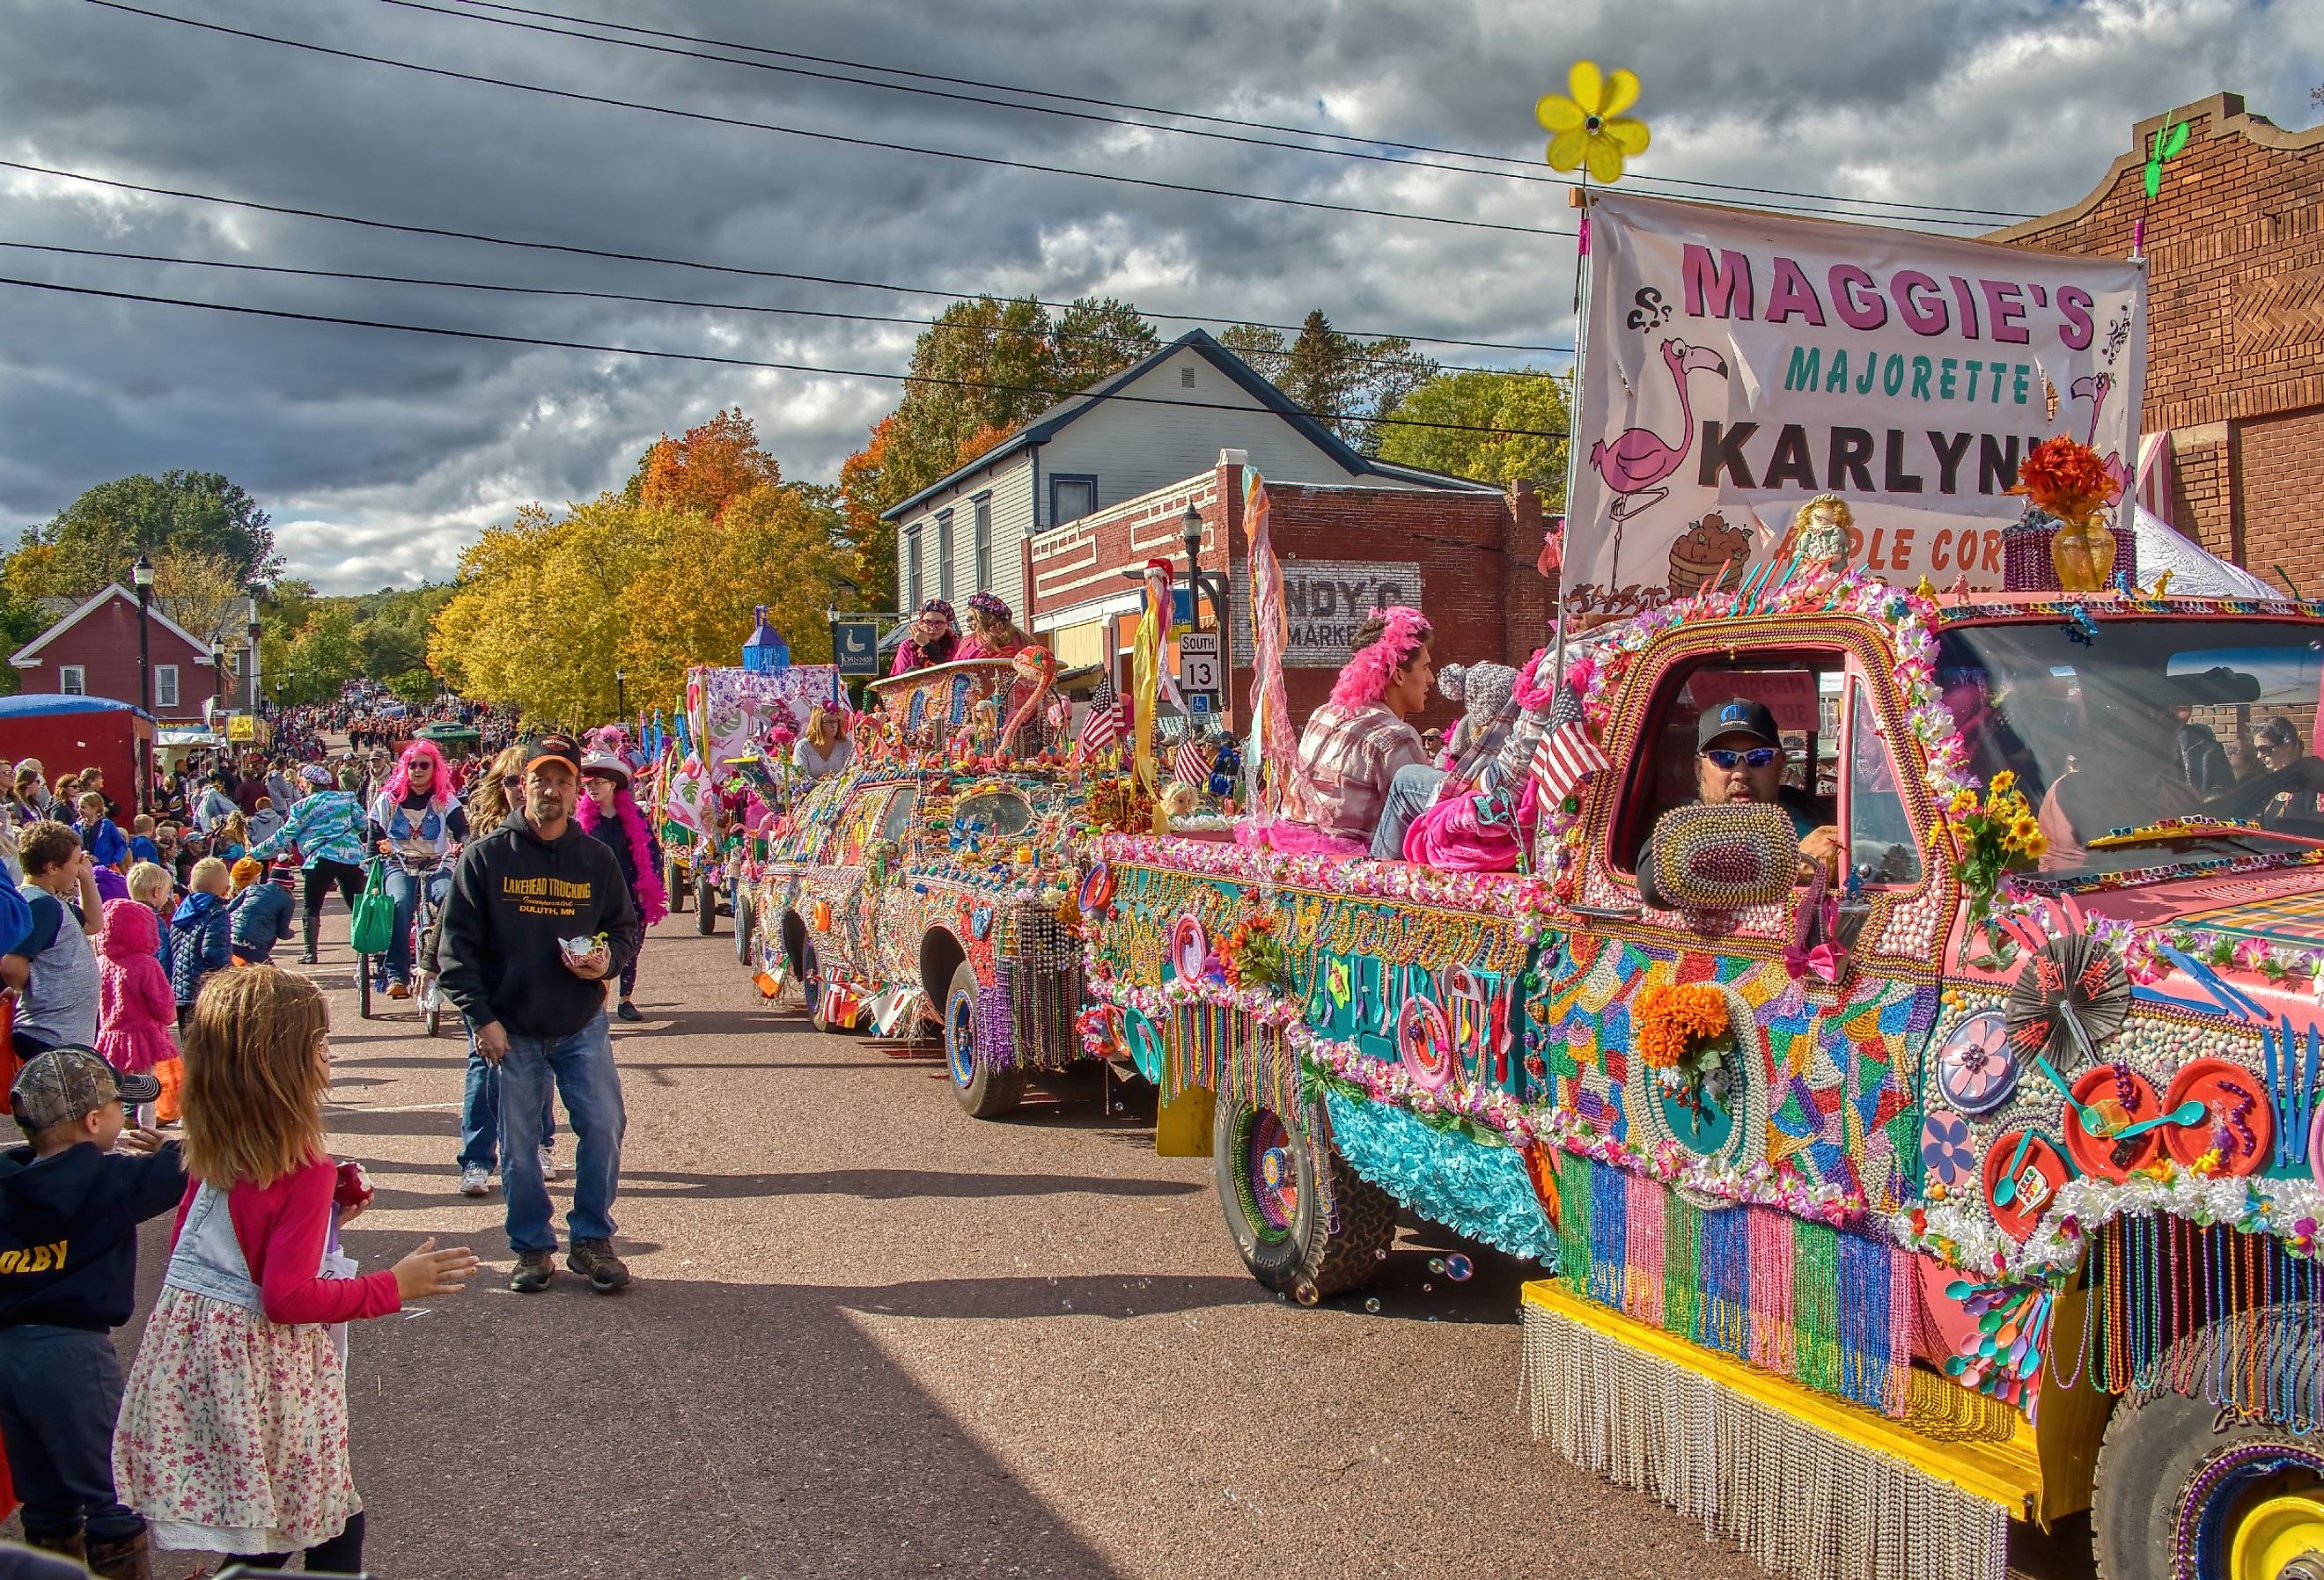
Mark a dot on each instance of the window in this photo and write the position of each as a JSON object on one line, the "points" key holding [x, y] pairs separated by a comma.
{"points": [[72, 680], [1880, 845], [1071, 497], [1186, 378], [911, 567], [165, 685], [982, 505], [943, 555], [896, 819], [998, 812]]}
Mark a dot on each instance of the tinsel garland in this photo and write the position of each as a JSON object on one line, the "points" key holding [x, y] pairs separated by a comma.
{"points": [[1470, 1188], [1834, 1311], [1802, 1500]]}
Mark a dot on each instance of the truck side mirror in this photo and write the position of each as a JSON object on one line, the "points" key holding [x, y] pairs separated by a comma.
{"points": [[1723, 858]]}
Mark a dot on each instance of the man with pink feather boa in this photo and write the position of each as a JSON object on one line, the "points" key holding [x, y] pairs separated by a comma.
{"points": [[609, 811]]}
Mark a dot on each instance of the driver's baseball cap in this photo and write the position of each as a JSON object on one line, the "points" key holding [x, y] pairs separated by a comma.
{"points": [[552, 748], [63, 1083], [1741, 716]]}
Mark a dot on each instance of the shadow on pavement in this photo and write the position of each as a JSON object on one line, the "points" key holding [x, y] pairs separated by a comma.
{"points": [[865, 1184]]}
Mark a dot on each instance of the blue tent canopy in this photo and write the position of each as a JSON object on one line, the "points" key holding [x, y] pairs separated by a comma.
{"points": [[48, 704]]}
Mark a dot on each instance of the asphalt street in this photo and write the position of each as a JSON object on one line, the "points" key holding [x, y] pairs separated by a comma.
{"points": [[870, 1336]]}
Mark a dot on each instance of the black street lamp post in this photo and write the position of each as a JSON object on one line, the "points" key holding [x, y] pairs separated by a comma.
{"points": [[141, 575], [621, 697]]}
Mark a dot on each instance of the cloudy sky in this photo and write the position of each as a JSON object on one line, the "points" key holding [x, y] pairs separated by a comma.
{"points": [[381, 454]]}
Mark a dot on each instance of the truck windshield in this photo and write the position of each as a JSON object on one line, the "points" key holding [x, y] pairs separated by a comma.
{"points": [[2116, 724]]}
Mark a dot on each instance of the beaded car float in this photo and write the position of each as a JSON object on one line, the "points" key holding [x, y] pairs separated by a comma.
{"points": [[1873, 1207], [932, 880]]}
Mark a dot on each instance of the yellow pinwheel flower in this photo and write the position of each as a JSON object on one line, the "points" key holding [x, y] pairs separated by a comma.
{"points": [[1587, 124]]}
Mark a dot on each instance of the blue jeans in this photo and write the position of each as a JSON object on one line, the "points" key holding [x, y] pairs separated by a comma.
{"points": [[1409, 794], [60, 1393], [582, 1066], [480, 1114], [403, 888]]}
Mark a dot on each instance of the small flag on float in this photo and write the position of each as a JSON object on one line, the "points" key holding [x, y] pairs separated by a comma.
{"points": [[1567, 756], [1191, 763], [1103, 730]]}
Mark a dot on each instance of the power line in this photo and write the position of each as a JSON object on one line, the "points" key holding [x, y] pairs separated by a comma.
{"points": [[658, 354], [1522, 173], [574, 96], [364, 277], [1217, 120], [576, 250]]}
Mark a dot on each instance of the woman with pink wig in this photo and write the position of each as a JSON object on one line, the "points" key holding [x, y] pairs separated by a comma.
{"points": [[416, 823], [1354, 744], [609, 811]]}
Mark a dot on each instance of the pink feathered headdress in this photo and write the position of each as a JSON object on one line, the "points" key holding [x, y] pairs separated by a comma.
{"points": [[1363, 678], [439, 787]]}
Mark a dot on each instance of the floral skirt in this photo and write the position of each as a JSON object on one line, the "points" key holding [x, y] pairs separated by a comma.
{"points": [[233, 1431]]}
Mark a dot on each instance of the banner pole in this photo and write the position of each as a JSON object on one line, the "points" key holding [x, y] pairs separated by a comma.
{"points": [[1582, 269]]}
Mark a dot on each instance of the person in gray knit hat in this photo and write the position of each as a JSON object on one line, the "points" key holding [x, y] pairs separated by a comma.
{"points": [[1483, 691]]}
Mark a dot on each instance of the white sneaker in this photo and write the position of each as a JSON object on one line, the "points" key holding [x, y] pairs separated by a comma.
{"points": [[548, 1164], [475, 1180]]}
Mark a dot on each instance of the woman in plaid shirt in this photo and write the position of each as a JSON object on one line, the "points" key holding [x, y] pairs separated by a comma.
{"points": [[327, 827], [1354, 744]]}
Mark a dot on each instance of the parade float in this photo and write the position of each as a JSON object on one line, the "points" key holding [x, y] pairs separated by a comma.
{"points": [[725, 769], [1974, 1179], [931, 883]]}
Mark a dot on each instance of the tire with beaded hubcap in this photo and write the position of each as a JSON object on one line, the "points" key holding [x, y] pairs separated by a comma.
{"points": [[984, 1091], [1264, 1168], [811, 980], [2185, 1487]]}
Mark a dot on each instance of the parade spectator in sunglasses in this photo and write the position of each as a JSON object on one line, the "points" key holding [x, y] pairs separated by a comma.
{"points": [[1738, 758]]}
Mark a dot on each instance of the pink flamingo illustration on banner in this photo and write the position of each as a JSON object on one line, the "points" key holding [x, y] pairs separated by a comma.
{"points": [[1635, 463], [2094, 388]]}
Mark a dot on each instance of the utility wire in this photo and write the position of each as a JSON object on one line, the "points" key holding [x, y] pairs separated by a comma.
{"points": [[704, 117], [1060, 395], [1216, 120], [575, 250], [925, 325], [1982, 218]]}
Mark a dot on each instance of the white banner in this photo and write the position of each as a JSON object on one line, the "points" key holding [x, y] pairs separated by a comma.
{"points": [[1739, 366]]}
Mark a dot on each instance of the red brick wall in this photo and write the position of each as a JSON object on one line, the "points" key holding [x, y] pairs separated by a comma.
{"points": [[2235, 246], [1476, 554], [104, 643]]}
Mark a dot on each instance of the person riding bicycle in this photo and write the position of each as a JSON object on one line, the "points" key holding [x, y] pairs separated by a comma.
{"points": [[415, 822]]}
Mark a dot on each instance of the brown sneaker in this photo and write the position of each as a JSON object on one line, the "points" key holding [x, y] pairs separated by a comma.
{"points": [[534, 1269], [121, 1560], [595, 1259]]}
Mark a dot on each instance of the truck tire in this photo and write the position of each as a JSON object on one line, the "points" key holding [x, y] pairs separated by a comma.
{"points": [[984, 1092], [674, 883], [2250, 1495], [811, 980], [705, 906], [1264, 1168], [745, 915]]}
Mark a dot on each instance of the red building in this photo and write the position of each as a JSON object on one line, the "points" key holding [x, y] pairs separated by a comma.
{"points": [[93, 652], [1464, 560]]}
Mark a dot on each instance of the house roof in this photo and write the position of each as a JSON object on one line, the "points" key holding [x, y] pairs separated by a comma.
{"points": [[1045, 427], [46, 704], [26, 656]]}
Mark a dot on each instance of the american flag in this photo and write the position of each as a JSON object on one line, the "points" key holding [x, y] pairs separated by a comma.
{"points": [[1567, 756], [1101, 731], [1191, 763]]}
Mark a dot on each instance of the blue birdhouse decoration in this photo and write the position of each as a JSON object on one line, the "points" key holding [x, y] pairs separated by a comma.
{"points": [[766, 653]]}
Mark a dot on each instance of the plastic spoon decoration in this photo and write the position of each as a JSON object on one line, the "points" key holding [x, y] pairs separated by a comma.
{"points": [[2004, 1189], [2187, 1112]]}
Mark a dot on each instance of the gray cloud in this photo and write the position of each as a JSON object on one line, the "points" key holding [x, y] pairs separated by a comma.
{"points": [[381, 454]]}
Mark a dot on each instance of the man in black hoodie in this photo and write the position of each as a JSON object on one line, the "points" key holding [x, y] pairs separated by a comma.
{"points": [[538, 916], [69, 1208]]}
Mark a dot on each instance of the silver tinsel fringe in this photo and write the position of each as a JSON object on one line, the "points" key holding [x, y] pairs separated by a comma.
{"points": [[1800, 1500]]}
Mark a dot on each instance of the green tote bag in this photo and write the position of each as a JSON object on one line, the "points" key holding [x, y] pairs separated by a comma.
{"points": [[374, 919]]}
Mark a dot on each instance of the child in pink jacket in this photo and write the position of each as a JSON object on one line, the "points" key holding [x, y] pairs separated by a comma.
{"points": [[136, 1012]]}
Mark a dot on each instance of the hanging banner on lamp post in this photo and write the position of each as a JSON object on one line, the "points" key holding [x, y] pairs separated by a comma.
{"points": [[1740, 366]]}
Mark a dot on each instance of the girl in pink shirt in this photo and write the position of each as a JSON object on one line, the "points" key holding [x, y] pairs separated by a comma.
{"points": [[233, 1436]]}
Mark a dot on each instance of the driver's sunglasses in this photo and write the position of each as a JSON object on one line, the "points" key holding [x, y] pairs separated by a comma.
{"points": [[1756, 757]]}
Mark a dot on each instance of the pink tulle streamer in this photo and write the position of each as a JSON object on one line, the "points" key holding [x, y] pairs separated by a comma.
{"points": [[1284, 790]]}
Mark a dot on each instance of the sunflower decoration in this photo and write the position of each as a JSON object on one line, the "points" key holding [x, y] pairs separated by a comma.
{"points": [[1586, 127]]}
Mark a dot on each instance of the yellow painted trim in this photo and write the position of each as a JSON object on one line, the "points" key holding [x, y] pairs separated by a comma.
{"points": [[1181, 1125], [2007, 1473]]}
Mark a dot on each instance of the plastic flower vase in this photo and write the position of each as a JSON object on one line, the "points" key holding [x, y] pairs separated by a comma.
{"points": [[2082, 553]]}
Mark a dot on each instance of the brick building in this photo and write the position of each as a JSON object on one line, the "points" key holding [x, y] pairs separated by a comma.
{"points": [[92, 652], [2235, 380], [1465, 559]]}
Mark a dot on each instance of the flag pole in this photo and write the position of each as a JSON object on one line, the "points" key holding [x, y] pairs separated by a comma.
{"points": [[1580, 198]]}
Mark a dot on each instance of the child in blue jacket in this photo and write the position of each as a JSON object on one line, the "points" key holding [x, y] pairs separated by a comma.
{"points": [[201, 934]]}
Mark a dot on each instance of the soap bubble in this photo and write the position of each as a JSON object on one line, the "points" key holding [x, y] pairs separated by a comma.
{"points": [[1306, 1294], [1380, 1255], [1459, 1269], [1428, 1289], [1437, 1264], [1372, 1304]]}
